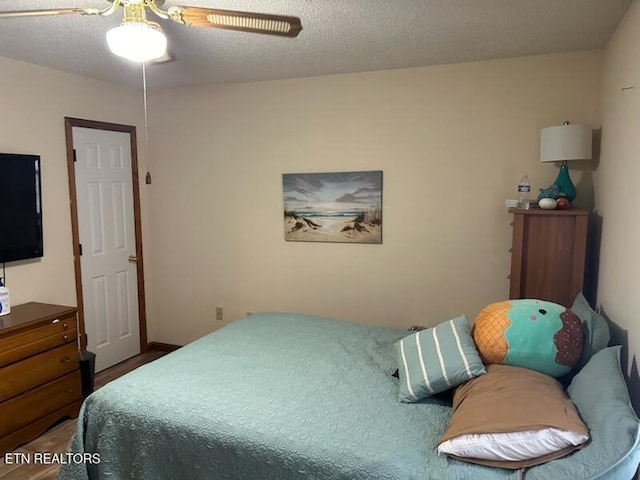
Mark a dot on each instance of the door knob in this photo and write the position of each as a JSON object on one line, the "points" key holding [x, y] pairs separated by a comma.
{"points": [[133, 259]]}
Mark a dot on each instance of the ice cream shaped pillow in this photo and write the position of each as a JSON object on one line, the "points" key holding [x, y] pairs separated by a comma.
{"points": [[534, 334]]}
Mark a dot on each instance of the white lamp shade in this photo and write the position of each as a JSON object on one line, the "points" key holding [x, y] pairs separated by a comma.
{"points": [[565, 142], [139, 42]]}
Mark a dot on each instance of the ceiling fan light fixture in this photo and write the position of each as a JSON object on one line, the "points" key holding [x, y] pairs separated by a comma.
{"points": [[138, 41]]}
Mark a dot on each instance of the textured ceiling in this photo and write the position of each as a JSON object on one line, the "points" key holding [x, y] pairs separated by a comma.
{"points": [[337, 37]]}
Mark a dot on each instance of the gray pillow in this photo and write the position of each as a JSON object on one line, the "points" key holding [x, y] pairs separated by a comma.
{"points": [[596, 328], [600, 394]]}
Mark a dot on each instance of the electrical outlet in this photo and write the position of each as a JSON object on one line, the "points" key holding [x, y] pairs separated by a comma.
{"points": [[219, 315]]}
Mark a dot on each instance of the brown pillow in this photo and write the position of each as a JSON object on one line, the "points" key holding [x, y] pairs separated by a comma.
{"points": [[512, 400]]}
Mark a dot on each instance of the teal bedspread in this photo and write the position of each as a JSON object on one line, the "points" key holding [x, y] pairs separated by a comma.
{"points": [[274, 396]]}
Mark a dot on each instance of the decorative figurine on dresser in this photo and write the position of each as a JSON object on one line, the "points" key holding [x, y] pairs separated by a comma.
{"points": [[39, 371]]}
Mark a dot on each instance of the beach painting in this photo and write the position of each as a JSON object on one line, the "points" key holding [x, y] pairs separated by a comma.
{"points": [[341, 207]]}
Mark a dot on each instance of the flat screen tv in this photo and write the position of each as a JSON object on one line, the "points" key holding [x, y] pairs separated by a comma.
{"points": [[20, 207]]}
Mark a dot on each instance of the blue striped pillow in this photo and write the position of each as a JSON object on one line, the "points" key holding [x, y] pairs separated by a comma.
{"points": [[437, 359]]}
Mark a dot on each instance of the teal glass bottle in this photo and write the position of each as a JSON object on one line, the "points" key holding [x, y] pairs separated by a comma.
{"points": [[564, 183]]}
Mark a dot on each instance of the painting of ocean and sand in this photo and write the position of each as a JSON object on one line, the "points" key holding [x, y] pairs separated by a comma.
{"points": [[333, 207]]}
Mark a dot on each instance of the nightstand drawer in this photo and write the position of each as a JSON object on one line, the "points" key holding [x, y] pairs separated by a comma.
{"points": [[38, 369], [58, 332], [26, 408]]}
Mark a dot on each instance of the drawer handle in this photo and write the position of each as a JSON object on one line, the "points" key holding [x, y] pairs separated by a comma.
{"points": [[57, 320], [65, 359], [65, 326], [69, 390], [65, 338]]}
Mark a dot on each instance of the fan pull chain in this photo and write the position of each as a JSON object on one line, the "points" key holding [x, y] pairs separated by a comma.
{"points": [[147, 178]]}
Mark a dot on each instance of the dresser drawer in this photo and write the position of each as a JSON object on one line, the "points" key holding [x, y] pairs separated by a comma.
{"points": [[38, 369], [20, 345], [34, 404]]}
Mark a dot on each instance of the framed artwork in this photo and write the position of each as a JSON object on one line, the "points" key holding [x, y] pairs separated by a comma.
{"points": [[343, 207]]}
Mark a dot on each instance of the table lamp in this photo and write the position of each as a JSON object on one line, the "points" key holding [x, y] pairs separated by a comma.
{"points": [[561, 144]]}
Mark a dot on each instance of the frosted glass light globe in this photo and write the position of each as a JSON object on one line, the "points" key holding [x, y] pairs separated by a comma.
{"points": [[137, 41]]}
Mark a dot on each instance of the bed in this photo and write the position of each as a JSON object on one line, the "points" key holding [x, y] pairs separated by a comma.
{"points": [[285, 396]]}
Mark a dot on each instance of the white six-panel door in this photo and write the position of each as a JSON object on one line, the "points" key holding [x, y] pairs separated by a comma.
{"points": [[104, 194]]}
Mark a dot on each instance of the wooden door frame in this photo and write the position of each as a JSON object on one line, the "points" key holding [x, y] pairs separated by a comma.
{"points": [[69, 123]]}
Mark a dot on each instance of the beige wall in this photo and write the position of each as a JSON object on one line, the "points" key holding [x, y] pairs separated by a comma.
{"points": [[33, 103], [617, 198], [452, 141]]}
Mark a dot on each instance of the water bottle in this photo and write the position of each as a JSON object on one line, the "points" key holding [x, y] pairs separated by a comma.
{"points": [[5, 305], [523, 192]]}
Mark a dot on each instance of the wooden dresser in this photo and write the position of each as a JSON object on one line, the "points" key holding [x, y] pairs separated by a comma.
{"points": [[39, 371], [548, 254]]}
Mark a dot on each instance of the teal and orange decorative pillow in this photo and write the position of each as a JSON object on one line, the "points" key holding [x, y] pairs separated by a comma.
{"points": [[534, 334]]}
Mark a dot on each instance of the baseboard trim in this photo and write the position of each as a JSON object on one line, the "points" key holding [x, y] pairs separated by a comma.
{"points": [[162, 347]]}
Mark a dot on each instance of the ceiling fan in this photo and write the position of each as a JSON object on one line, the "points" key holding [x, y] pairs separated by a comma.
{"points": [[139, 39]]}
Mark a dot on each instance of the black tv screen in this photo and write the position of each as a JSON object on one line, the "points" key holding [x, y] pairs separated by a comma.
{"points": [[20, 207]]}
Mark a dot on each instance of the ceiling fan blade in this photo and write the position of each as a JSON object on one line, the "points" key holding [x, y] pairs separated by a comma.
{"points": [[58, 11], [233, 20]]}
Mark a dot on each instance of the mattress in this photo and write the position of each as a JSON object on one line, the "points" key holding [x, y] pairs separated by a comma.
{"points": [[276, 396]]}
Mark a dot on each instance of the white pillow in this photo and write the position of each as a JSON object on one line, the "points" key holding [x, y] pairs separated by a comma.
{"points": [[513, 446]]}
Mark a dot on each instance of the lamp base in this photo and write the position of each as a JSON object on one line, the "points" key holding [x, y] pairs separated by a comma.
{"points": [[564, 183]]}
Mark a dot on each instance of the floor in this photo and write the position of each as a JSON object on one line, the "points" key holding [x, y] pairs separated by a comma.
{"points": [[57, 438]]}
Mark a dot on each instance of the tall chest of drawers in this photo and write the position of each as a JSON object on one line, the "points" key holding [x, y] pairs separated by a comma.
{"points": [[39, 371], [548, 255]]}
